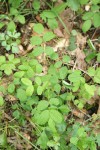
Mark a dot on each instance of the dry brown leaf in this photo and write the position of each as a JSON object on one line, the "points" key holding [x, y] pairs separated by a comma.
{"points": [[61, 44]]}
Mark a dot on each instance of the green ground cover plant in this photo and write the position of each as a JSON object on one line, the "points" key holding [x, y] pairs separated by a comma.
{"points": [[40, 102]]}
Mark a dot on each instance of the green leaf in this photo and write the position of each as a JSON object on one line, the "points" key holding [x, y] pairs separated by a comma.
{"points": [[66, 59], [42, 119], [87, 15], [74, 140], [63, 72], [58, 64], [15, 49], [57, 88], [1, 25], [59, 8], [3, 140], [97, 76], [38, 80], [95, 2], [1, 101], [90, 89], [73, 4], [36, 5], [11, 88], [56, 116], [16, 114], [48, 36], [19, 74], [39, 68], [39, 90], [43, 104], [41, 142], [51, 125], [91, 71], [82, 2], [47, 14], [86, 25], [54, 101], [98, 57], [2, 59], [38, 28], [21, 94], [21, 19], [26, 81], [36, 40], [75, 76], [96, 20], [29, 90], [8, 71], [52, 23], [38, 51], [49, 50], [11, 26], [98, 139]]}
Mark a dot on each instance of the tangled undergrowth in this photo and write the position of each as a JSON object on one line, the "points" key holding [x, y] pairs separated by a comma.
{"points": [[49, 75]]}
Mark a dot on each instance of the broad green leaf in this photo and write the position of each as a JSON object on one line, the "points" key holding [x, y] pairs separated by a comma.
{"points": [[66, 59], [86, 25], [51, 125], [13, 11], [73, 4], [74, 140], [59, 8], [87, 15], [49, 50], [58, 64], [21, 19], [82, 2], [63, 72], [57, 88], [98, 139], [36, 40], [42, 118], [54, 101], [95, 2], [38, 80], [11, 88], [39, 68], [39, 90], [29, 90], [11, 26], [90, 89], [98, 57], [15, 49], [52, 23], [1, 25], [8, 71], [97, 76], [56, 116], [42, 140], [75, 76], [3, 140], [91, 71], [16, 114], [38, 51], [96, 20], [36, 5], [2, 59], [48, 36], [21, 94], [47, 14], [38, 28], [1, 101], [43, 104], [26, 81], [19, 74]]}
